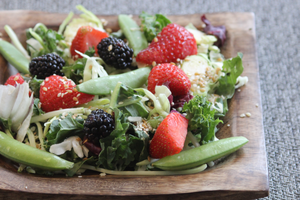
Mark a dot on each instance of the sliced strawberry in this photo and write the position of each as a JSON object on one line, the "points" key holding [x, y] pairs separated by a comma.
{"points": [[169, 136], [170, 75], [174, 42], [14, 80], [57, 92], [85, 38]]}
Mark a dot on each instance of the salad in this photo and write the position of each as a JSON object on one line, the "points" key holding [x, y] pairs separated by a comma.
{"points": [[143, 100]]}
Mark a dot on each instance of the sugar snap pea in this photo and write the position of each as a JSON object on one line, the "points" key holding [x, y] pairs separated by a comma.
{"points": [[136, 39], [27, 155], [200, 155], [14, 56], [104, 85]]}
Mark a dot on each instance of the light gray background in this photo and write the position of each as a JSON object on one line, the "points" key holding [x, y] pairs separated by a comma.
{"points": [[278, 36]]}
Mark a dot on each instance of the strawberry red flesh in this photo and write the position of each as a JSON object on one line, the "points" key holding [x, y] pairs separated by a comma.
{"points": [[172, 43], [85, 38], [170, 75], [57, 92], [170, 136], [14, 80]]}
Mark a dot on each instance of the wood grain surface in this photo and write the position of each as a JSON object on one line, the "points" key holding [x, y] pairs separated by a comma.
{"points": [[242, 175]]}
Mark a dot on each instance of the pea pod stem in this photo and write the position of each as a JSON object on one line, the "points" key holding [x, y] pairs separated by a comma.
{"points": [[104, 85], [199, 155], [136, 38], [30, 156], [16, 41], [14, 56]]}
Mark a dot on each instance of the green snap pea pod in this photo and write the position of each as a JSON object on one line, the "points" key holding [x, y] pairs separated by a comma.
{"points": [[104, 85], [200, 155], [14, 56], [27, 155], [136, 38]]}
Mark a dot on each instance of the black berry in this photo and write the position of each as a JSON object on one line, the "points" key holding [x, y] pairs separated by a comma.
{"points": [[98, 125], [115, 52], [46, 65]]}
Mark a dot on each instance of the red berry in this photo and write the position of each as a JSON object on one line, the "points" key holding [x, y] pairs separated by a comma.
{"points": [[174, 42], [14, 80], [170, 75], [58, 92], [85, 38], [169, 136]]}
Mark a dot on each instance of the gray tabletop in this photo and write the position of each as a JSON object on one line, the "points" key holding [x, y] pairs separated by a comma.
{"points": [[278, 37]]}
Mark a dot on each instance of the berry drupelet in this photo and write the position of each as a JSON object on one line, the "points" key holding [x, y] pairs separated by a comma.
{"points": [[115, 52], [46, 65], [98, 125]]}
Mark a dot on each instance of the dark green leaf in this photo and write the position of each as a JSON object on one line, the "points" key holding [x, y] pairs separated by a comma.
{"points": [[63, 128], [232, 68], [153, 24], [202, 121]]}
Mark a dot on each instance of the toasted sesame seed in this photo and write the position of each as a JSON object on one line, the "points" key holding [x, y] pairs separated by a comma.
{"points": [[202, 89], [66, 86], [16, 78], [248, 114], [78, 95], [59, 94], [110, 47], [228, 125], [256, 105], [153, 63], [45, 89], [75, 99], [239, 90], [155, 39], [78, 139], [69, 91], [242, 115], [75, 90]]}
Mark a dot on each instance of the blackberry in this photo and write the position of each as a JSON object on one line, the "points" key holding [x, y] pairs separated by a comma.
{"points": [[98, 125], [46, 65], [115, 52]]}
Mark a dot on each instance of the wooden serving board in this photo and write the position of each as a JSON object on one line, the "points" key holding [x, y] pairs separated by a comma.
{"points": [[242, 175]]}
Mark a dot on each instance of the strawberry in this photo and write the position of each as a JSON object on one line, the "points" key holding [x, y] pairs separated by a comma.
{"points": [[14, 80], [169, 136], [170, 75], [172, 43], [59, 92], [85, 38]]}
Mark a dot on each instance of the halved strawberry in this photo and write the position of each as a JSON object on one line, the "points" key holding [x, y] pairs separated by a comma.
{"points": [[172, 43], [14, 80], [57, 92], [169, 136], [85, 38], [170, 75]]}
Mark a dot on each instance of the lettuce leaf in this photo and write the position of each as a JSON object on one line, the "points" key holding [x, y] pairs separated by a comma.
{"points": [[128, 100], [202, 120], [124, 147], [62, 128], [153, 24], [232, 69], [48, 38]]}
